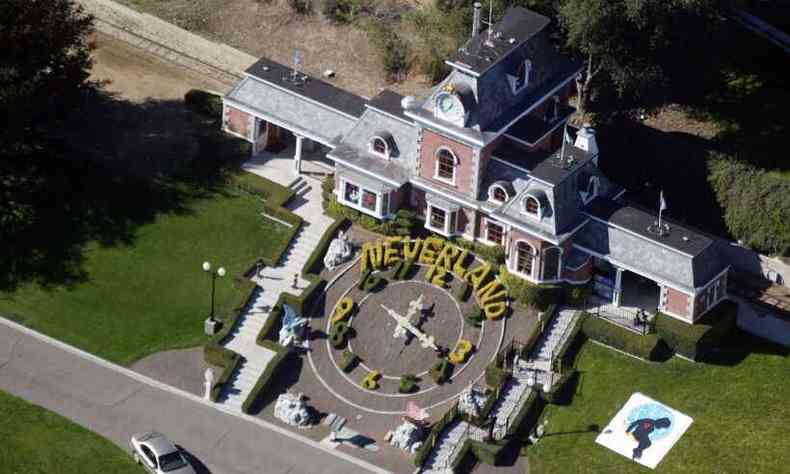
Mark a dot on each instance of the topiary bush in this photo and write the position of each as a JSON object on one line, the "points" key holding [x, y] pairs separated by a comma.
{"points": [[462, 291], [695, 340], [372, 283], [408, 383], [338, 334], [495, 376], [476, 317], [348, 360], [440, 372]]}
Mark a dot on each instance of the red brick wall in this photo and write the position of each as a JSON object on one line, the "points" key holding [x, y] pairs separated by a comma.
{"points": [[464, 170], [417, 201], [237, 121], [677, 303], [581, 275]]}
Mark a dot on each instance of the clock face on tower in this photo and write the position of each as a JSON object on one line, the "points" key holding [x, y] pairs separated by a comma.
{"points": [[448, 107]]}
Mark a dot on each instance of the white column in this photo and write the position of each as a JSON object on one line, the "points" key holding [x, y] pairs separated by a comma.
{"points": [[298, 154], [618, 286]]}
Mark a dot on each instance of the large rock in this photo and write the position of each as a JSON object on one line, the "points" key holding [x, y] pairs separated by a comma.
{"points": [[293, 329], [471, 401], [292, 409], [407, 437]]}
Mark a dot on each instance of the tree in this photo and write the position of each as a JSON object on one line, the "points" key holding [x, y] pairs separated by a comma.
{"points": [[756, 203], [44, 63], [642, 49]]}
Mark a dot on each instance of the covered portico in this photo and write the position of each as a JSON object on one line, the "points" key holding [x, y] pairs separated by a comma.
{"points": [[276, 108]]}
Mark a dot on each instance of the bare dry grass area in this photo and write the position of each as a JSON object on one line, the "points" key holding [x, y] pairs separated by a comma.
{"points": [[274, 30]]}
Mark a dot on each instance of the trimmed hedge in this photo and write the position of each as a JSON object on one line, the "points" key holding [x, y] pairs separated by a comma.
{"points": [[273, 193], [315, 262], [493, 254], [695, 340], [527, 415], [476, 317], [204, 102], [564, 352], [645, 347], [541, 296], [440, 372], [372, 283], [407, 269], [394, 273], [557, 394], [576, 295], [338, 334], [449, 416], [495, 376], [408, 384], [462, 291], [281, 353], [347, 361]]}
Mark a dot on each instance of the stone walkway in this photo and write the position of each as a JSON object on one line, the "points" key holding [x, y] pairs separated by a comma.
{"points": [[272, 281]]}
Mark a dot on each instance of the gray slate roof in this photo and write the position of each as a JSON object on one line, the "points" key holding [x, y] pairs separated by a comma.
{"points": [[516, 27], [543, 165], [389, 102], [306, 116], [310, 87], [353, 149], [622, 237]]}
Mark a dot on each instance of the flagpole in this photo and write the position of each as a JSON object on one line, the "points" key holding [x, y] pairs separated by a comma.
{"points": [[660, 209], [562, 150]]}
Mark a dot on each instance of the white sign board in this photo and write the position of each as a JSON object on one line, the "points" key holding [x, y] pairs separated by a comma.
{"points": [[644, 430]]}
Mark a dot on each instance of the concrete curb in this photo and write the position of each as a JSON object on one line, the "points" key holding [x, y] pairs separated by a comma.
{"points": [[186, 395]]}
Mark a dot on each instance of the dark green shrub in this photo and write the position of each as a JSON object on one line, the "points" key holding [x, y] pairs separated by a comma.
{"points": [[373, 283], [476, 317], [407, 270], [408, 384], [363, 278], [301, 7], [695, 340], [526, 293], [561, 389], [441, 371], [495, 376], [647, 347], [394, 273], [204, 102], [577, 295], [338, 334], [348, 360], [493, 254], [342, 11], [462, 291]]}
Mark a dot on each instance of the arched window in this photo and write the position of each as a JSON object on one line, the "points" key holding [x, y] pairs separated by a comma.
{"points": [[551, 263], [532, 206], [378, 146], [592, 187], [525, 257], [497, 193], [521, 78], [445, 165]]}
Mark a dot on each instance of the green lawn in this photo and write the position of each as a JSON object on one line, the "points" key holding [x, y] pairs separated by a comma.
{"points": [[36, 440], [148, 292], [739, 406]]}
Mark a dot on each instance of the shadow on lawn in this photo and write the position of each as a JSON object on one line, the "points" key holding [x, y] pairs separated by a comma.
{"points": [[738, 346], [111, 167]]}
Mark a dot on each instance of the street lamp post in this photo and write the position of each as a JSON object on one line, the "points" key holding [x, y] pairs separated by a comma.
{"points": [[211, 325]]}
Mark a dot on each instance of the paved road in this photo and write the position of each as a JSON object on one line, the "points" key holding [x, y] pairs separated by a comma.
{"points": [[112, 403]]}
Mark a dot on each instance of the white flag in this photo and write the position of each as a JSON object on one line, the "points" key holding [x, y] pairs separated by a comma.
{"points": [[663, 205]]}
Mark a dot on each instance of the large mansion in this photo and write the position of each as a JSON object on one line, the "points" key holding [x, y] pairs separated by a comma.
{"points": [[488, 156]]}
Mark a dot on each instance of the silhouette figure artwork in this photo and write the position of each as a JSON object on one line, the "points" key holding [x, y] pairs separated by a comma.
{"points": [[644, 430], [641, 430]]}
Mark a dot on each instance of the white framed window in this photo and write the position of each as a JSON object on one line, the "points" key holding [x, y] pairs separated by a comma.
{"points": [[440, 220], [368, 201], [494, 232], [520, 80], [497, 194], [379, 147], [524, 259], [531, 206], [446, 163]]}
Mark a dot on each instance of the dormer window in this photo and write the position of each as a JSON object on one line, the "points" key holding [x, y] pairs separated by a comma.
{"points": [[589, 190], [531, 206], [379, 147], [497, 194], [521, 79]]}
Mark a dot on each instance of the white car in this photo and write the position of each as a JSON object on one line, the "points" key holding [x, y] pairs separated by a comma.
{"points": [[158, 455]]}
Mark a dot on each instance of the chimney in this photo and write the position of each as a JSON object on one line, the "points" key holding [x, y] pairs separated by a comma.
{"points": [[476, 19], [585, 140]]}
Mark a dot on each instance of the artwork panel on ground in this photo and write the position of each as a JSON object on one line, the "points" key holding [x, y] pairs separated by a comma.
{"points": [[644, 430]]}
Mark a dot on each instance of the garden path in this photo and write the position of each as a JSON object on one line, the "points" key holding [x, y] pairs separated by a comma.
{"points": [[272, 281]]}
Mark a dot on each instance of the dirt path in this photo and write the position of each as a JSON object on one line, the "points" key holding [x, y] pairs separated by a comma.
{"points": [[137, 75]]}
